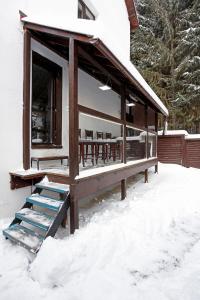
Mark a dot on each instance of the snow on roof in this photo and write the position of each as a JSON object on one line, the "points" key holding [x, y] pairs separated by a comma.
{"points": [[94, 30], [173, 132], [193, 137]]}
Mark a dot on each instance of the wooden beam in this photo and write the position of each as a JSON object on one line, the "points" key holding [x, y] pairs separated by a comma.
{"points": [[123, 189], [146, 126], [73, 109], [98, 114], [95, 184], [57, 32], [123, 118], [74, 210], [26, 100], [99, 66]]}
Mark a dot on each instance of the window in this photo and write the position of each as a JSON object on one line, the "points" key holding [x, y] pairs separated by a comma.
{"points": [[84, 12], [46, 118]]}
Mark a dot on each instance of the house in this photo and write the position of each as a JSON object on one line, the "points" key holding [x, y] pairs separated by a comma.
{"points": [[71, 96]]}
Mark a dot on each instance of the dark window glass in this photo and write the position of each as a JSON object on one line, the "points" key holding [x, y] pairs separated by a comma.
{"points": [[46, 101], [84, 12]]}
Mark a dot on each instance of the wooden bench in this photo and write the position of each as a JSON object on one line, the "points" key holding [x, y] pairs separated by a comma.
{"points": [[47, 158]]}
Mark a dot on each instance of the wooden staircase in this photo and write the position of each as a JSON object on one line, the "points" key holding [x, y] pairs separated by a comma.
{"points": [[40, 216]]}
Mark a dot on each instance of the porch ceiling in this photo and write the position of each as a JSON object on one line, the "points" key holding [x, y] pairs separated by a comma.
{"points": [[94, 58]]}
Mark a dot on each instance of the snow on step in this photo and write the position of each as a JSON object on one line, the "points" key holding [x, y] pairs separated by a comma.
{"points": [[36, 218], [53, 186], [44, 201], [24, 236]]}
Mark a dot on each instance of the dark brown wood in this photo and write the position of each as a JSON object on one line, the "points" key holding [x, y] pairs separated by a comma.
{"points": [[170, 149], [156, 168], [126, 73], [73, 109], [146, 126], [98, 114], [123, 189], [26, 100], [96, 183], [74, 210], [146, 176], [92, 60], [123, 118], [132, 14], [17, 182], [57, 32]]}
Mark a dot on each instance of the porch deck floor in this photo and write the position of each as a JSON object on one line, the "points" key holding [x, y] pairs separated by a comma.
{"points": [[84, 172]]}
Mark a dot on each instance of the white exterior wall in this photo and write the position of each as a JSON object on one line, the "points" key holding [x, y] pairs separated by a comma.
{"points": [[11, 84]]}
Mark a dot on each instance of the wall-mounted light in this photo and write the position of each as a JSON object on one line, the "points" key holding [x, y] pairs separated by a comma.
{"points": [[130, 104], [105, 87]]}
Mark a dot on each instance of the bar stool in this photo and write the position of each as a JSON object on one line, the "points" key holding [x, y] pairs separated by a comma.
{"points": [[100, 148], [89, 146]]}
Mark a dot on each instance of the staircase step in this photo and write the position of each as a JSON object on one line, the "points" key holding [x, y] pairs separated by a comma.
{"points": [[45, 201], [54, 187], [24, 237], [35, 218]]}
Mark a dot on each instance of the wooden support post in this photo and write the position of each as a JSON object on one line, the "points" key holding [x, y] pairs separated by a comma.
{"points": [[123, 189], [73, 109], [146, 176], [123, 118], [156, 168], [146, 126], [26, 100], [74, 210]]}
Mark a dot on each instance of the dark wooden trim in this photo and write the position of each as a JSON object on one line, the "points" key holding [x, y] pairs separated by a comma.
{"points": [[123, 118], [98, 114], [92, 60], [115, 61], [74, 209], [73, 109], [146, 125], [123, 189], [48, 46], [57, 32], [26, 100], [94, 184], [46, 146], [146, 177], [132, 14]]}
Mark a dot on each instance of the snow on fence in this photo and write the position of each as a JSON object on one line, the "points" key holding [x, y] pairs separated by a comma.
{"points": [[179, 147]]}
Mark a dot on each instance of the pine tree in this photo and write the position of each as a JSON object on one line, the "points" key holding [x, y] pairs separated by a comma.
{"points": [[166, 50]]}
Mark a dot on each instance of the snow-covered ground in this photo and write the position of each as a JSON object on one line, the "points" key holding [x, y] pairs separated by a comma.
{"points": [[144, 248]]}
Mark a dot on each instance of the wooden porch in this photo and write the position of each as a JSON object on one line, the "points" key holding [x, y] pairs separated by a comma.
{"points": [[94, 58]]}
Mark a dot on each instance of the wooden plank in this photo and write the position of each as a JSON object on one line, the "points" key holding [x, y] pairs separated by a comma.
{"points": [[73, 109], [57, 32], [26, 100], [98, 114], [123, 118], [94, 184]]}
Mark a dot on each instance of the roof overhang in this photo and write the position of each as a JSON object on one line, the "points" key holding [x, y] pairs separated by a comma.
{"points": [[132, 14], [120, 74]]}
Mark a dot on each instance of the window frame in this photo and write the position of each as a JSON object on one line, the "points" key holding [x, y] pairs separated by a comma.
{"points": [[82, 14], [56, 132]]}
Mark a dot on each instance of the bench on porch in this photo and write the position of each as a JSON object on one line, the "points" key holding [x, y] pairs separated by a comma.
{"points": [[47, 158]]}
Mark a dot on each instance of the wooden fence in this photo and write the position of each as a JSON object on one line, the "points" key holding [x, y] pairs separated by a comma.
{"points": [[179, 149]]}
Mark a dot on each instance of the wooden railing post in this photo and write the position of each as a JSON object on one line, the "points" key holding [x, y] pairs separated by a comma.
{"points": [[73, 109], [26, 100]]}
